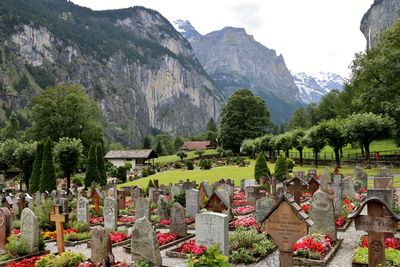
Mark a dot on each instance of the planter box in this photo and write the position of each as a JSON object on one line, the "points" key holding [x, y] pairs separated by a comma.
{"points": [[74, 243], [127, 248], [244, 214], [41, 253], [50, 240], [358, 264], [323, 262], [344, 227], [122, 243]]}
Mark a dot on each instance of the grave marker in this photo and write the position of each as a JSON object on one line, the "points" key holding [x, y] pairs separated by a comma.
{"points": [[212, 228], [263, 206], [83, 210], [313, 185], [192, 203], [96, 199], [121, 199], [296, 186], [144, 245], [110, 211], [30, 230], [100, 245], [142, 208], [59, 219], [285, 225], [178, 224], [380, 220], [322, 213], [325, 180]]}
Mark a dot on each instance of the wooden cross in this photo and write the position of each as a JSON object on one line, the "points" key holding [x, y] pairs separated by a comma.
{"points": [[59, 219], [296, 188]]}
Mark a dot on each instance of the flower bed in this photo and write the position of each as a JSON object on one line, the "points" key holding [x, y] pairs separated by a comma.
{"points": [[96, 220], [244, 210], [392, 252], [315, 250], [165, 241], [238, 203], [166, 222], [246, 222], [74, 238], [186, 249], [238, 195], [349, 205], [117, 239], [25, 261], [248, 246], [305, 196], [126, 220]]}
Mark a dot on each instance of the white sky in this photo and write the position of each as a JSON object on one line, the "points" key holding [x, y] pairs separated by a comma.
{"points": [[312, 35]]}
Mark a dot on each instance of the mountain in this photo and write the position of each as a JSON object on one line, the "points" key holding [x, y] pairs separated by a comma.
{"points": [[235, 60], [381, 15], [140, 70], [313, 87]]}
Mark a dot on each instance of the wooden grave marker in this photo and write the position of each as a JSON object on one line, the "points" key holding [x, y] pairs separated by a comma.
{"points": [[285, 224], [380, 220], [96, 199], [313, 185], [296, 186], [59, 219]]}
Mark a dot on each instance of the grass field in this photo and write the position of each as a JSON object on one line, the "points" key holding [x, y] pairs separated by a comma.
{"points": [[191, 155], [224, 172]]}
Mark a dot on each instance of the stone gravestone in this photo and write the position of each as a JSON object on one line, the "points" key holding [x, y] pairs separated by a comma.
{"points": [[361, 176], [299, 174], [226, 195], [30, 230], [252, 194], [251, 182], [263, 207], [136, 193], [380, 220], [312, 173], [162, 210], [29, 200], [142, 208], [285, 225], [325, 180], [192, 203], [3, 229], [177, 223], [322, 213], [110, 211], [203, 194], [296, 187], [383, 182], [384, 172], [100, 245], [83, 210], [9, 221], [348, 188], [144, 245], [212, 228], [175, 190], [227, 188], [336, 186], [242, 184], [64, 204]]}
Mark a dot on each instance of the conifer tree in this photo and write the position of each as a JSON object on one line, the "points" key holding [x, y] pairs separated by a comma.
{"points": [[92, 171], [48, 173], [101, 165], [261, 169], [37, 167], [280, 168]]}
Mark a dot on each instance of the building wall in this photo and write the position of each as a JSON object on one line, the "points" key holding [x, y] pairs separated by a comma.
{"points": [[121, 162]]}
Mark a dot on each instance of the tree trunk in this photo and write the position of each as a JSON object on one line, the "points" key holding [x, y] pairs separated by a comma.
{"points": [[301, 155], [362, 150], [316, 158], [68, 182], [287, 153], [337, 157], [366, 146]]}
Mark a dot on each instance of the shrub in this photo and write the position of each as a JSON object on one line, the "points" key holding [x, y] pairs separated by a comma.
{"points": [[280, 168], [189, 165], [212, 257], [42, 212], [17, 246], [101, 165], [205, 164], [37, 167], [92, 171], [261, 168], [178, 165], [121, 173], [67, 259], [77, 180], [181, 198], [289, 164], [48, 173], [150, 184]]}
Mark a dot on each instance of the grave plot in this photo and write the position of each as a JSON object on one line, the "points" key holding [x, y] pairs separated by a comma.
{"points": [[379, 247]]}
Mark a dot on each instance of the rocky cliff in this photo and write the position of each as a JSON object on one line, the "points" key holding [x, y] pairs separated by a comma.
{"points": [[142, 73], [381, 15], [235, 60]]}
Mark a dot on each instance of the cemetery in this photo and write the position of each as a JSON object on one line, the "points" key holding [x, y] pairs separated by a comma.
{"points": [[308, 220]]}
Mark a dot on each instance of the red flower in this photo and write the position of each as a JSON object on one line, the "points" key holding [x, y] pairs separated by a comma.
{"points": [[239, 202], [117, 237], [248, 221], [243, 210], [164, 222], [165, 238], [305, 208], [126, 220], [341, 221], [96, 220], [27, 262], [190, 247], [314, 243], [239, 196]]}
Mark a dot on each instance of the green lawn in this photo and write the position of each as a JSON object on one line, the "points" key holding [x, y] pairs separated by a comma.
{"points": [[233, 172], [191, 155], [327, 151]]}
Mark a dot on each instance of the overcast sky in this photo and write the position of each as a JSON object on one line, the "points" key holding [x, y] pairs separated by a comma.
{"points": [[312, 35]]}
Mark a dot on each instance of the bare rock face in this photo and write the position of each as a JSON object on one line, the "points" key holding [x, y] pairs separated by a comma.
{"points": [[142, 73], [381, 16], [234, 60]]}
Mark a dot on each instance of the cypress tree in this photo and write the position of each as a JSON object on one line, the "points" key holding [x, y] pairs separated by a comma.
{"points": [[37, 167], [101, 166], [92, 171], [261, 168], [48, 174], [280, 168]]}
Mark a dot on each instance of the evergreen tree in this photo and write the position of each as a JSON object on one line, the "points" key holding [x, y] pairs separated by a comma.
{"points": [[159, 148], [92, 171], [101, 165], [261, 169], [280, 168], [48, 173], [149, 185], [147, 142], [37, 167], [212, 126]]}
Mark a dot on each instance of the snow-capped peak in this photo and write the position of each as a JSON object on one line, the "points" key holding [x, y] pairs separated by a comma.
{"points": [[185, 28], [312, 87]]}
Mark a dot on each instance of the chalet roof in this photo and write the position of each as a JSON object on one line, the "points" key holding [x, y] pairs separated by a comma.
{"points": [[131, 154], [196, 145]]}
